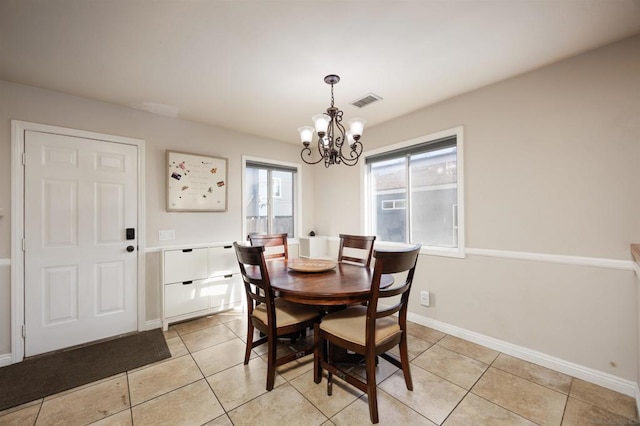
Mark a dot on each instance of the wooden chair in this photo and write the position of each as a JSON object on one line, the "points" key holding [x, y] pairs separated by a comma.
{"points": [[274, 240], [274, 317], [370, 330], [362, 243]]}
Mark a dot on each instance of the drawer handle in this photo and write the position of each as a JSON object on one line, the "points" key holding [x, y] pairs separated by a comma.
{"points": [[228, 276], [187, 282], [187, 250], [228, 247]]}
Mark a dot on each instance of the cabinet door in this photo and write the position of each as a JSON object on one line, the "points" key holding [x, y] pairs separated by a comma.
{"points": [[180, 299], [185, 265], [226, 291], [223, 261]]}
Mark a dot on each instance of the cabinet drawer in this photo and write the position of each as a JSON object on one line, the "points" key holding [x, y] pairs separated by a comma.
{"points": [[180, 299], [185, 265], [225, 291], [223, 261]]}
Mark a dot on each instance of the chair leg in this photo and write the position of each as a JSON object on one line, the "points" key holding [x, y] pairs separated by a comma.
{"points": [[271, 362], [329, 383], [318, 354], [372, 394], [247, 351], [404, 359]]}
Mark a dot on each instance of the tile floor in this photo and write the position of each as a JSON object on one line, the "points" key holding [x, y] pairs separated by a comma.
{"points": [[205, 383]]}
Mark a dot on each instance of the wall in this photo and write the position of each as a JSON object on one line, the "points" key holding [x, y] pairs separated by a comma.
{"points": [[25, 103], [550, 169]]}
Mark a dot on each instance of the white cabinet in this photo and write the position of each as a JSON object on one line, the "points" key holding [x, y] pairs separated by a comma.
{"points": [[199, 281], [313, 247]]}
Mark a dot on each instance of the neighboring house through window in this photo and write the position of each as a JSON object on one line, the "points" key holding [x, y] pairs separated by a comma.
{"points": [[269, 194], [415, 193]]}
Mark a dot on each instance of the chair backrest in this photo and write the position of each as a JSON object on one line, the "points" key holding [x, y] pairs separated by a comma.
{"points": [[255, 276], [362, 245], [391, 262], [273, 240]]}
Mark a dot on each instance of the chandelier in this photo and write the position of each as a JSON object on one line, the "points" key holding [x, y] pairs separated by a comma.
{"points": [[332, 135]]}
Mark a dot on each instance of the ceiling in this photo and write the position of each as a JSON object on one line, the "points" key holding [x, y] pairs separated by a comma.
{"points": [[258, 66]]}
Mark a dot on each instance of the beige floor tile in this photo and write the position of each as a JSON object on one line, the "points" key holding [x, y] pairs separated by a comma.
{"points": [[56, 395], [162, 378], [612, 401], [239, 328], [37, 402], [477, 411], [232, 315], [196, 324], [207, 337], [343, 394], [86, 405], [220, 421], [527, 399], [328, 423], [415, 347], [456, 368], [391, 412], [237, 385], [284, 405], [220, 357], [470, 349], [23, 416], [193, 404], [123, 418], [170, 333], [295, 368], [424, 333], [384, 369], [177, 347], [579, 413], [432, 396], [535, 373]]}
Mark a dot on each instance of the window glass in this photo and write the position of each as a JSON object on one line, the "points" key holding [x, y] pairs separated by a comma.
{"points": [[269, 199], [414, 193]]}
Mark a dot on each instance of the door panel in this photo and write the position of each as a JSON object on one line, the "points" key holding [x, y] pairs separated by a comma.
{"points": [[80, 282]]}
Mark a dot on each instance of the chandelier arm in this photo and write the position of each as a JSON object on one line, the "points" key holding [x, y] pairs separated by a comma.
{"points": [[354, 154], [308, 151]]}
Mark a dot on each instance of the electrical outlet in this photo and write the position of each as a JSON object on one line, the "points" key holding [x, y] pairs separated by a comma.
{"points": [[424, 298], [167, 235]]}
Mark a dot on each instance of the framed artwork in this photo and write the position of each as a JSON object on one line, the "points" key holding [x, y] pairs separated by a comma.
{"points": [[196, 183]]}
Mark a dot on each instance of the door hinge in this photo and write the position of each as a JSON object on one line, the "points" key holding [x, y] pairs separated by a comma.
{"points": [[24, 158], [24, 244], [24, 331]]}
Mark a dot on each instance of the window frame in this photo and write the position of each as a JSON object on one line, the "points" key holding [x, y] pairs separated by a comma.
{"points": [[367, 203], [297, 195]]}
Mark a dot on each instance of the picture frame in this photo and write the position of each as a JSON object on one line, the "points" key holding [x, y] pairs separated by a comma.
{"points": [[195, 183]]}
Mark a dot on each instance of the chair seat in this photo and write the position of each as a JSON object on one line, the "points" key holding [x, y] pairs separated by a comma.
{"points": [[350, 324], [287, 313]]}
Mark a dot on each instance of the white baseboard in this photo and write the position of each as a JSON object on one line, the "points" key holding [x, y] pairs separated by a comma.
{"points": [[152, 324], [5, 359], [624, 386]]}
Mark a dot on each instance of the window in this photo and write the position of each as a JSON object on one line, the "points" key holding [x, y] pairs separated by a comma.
{"points": [[415, 193], [269, 194]]}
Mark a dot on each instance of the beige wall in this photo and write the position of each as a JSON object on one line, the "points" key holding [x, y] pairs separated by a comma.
{"points": [[25, 103], [551, 167]]}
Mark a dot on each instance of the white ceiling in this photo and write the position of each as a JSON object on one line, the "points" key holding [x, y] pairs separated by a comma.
{"points": [[258, 66]]}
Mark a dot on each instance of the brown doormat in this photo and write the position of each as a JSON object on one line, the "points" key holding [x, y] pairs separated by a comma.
{"points": [[49, 374]]}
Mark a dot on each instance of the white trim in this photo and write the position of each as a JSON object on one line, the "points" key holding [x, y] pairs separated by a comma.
{"points": [[637, 396], [365, 202], [636, 268], [297, 203], [555, 258], [624, 386], [153, 324], [5, 359], [18, 129], [5, 262]]}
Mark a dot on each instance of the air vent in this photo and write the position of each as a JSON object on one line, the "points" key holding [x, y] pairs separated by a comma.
{"points": [[367, 99]]}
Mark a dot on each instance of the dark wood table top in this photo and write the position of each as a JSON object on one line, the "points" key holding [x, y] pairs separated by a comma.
{"points": [[343, 285]]}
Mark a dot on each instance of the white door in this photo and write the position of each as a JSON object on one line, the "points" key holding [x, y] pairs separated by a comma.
{"points": [[80, 279]]}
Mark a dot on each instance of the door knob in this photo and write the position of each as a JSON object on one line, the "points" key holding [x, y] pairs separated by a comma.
{"points": [[130, 248]]}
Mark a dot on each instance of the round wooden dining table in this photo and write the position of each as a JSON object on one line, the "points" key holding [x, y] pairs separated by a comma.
{"points": [[343, 285]]}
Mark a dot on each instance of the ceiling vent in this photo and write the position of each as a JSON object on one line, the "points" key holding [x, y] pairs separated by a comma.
{"points": [[367, 99]]}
